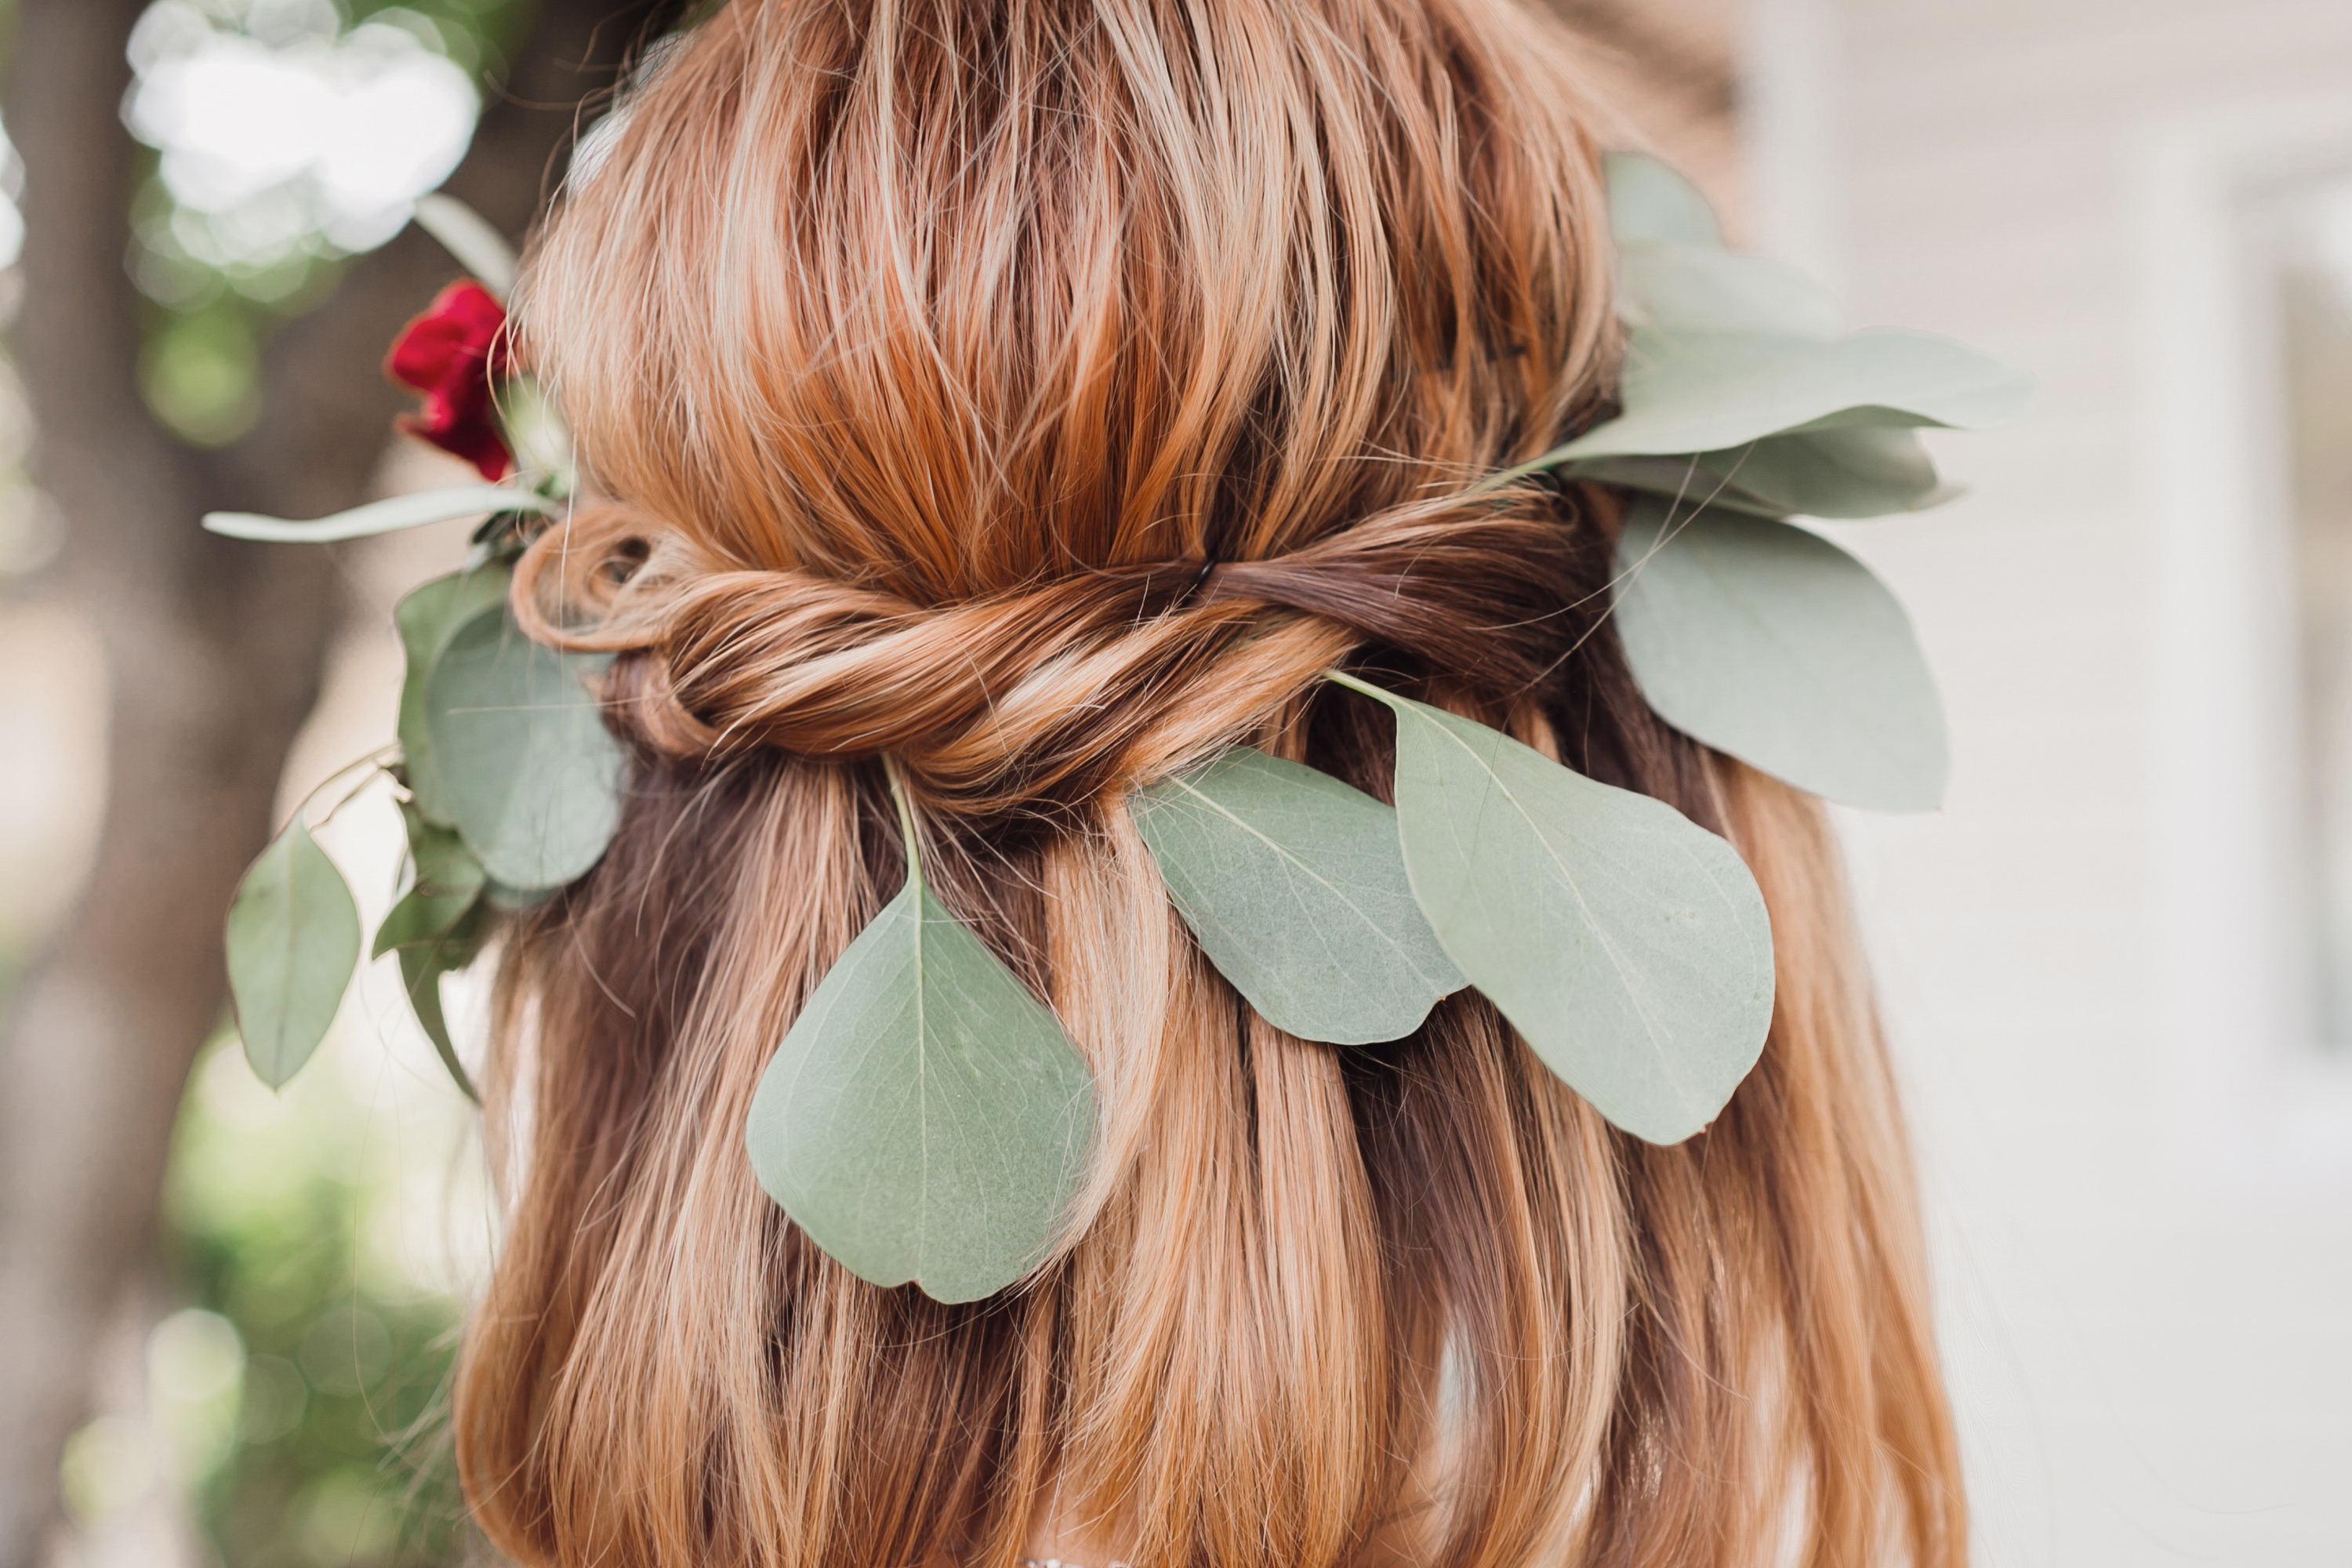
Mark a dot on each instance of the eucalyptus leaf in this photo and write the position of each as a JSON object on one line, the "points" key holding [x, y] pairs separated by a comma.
{"points": [[419, 918], [1294, 885], [1696, 288], [1648, 200], [1629, 946], [479, 249], [1697, 392], [422, 965], [1701, 392], [1847, 472], [531, 774], [1771, 643], [428, 617], [1843, 473], [448, 883], [388, 516], [293, 944], [926, 1117]]}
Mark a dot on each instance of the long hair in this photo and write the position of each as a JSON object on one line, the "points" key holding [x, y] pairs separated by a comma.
{"points": [[1044, 394]]}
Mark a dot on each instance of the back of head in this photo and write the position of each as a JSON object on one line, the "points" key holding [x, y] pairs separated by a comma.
{"points": [[1045, 395]]}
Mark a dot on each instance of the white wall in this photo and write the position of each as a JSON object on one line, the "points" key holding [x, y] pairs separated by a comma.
{"points": [[2139, 1175]]}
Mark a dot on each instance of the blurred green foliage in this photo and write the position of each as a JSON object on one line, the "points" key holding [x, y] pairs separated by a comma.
{"points": [[200, 371], [299, 1403]]}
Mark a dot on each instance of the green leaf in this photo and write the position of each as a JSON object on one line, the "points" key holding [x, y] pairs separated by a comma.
{"points": [[530, 773], [422, 965], [448, 882], [428, 617], [412, 510], [1771, 643], [926, 1117], [1629, 946], [1685, 289], [467, 235], [1849, 472], [1696, 391], [1841, 473], [293, 942], [1648, 200], [1727, 350], [444, 866], [1294, 885], [419, 918]]}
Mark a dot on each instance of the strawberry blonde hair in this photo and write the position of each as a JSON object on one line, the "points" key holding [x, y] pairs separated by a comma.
{"points": [[1043, 392]]}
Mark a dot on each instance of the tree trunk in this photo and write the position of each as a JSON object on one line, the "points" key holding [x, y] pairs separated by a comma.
{"points": [[213, 649]]}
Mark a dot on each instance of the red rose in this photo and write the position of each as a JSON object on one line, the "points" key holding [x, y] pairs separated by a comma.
{"points": [[455, 354]]}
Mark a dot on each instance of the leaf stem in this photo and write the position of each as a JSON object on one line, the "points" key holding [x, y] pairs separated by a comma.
{"points": [[375, 759], [1343, 678], [898, 798]]}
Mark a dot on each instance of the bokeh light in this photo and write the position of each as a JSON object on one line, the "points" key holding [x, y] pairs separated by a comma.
{"points": [[279, 129]]}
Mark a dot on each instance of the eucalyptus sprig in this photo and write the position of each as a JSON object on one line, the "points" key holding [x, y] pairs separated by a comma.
{"points": [[293, 942], [1626, 943], [512, 788], [1741, 406], [926, 1117], [511, 784], [1737, 379]]}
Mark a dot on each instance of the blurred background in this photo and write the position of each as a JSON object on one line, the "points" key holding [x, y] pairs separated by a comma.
{"points": [[2118, 966]]}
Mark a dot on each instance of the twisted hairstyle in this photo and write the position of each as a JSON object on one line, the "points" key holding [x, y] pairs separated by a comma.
{"points": [[1045, 392]]}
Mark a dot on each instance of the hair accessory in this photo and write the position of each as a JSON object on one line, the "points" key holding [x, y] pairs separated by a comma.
{"points": [[1200, 580], [456, 353], [926, 1117]]}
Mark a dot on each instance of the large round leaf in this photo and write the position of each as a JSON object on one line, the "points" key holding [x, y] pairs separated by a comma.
{"points": [[1628, 945], [1294, 885], [293, 942], [926, 1117], [1771, 643], [531, 775]]}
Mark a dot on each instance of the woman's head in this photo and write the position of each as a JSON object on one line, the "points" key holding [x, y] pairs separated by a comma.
{"points": [[1043, 394]]}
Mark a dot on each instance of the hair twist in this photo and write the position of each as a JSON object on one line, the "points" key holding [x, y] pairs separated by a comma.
{"points": [[1051, 692]]}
